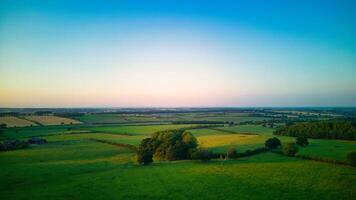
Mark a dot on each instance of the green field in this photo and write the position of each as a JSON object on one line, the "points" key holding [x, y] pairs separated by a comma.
{"points": [[82, 169], [136, 130], [72, 166]]}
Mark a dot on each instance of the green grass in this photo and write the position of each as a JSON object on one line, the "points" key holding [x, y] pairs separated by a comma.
{"points": [[136, 130], [248, 129], [330, 149], [125, 139], [71, 166], [81, 169], [25, 132]]}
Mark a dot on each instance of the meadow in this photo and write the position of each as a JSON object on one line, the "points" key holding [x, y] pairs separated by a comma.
{"points": [[74, 165]]}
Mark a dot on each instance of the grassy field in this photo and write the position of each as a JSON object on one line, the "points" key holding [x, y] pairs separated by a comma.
{"points": [[72, 166], [136, 130], [76, 168], [16, 122], [52, 120]]}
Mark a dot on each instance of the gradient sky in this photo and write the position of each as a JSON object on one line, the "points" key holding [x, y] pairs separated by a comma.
{"points": [[177, 53]]}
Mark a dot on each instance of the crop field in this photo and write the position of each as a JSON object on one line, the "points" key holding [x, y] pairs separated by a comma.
{"points": [[15, 122], [52, 120], [76, 164]]}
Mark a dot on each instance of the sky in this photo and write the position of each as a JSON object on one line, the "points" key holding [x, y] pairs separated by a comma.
{"points": [[177, 53]]}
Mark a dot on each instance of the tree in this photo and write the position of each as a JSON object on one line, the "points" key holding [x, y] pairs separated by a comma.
{"points": [[351, 158], [144, 152], [205, 155], [302, 140], [189, 140], [232, 153], [273, 143], [170, 145], [290, 149]]}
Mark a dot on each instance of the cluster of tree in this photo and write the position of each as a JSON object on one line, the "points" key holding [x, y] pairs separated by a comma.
{"points": [[43, 113], [334, 129], [70, 114], [198, 122], [168, 145], [2, 127], [351, 158], [14, 144], [289, 149], [4, 114]]}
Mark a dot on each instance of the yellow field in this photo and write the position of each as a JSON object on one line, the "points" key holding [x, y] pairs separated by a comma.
{"points": [[14, 121], [226, 140], [52, 120]]}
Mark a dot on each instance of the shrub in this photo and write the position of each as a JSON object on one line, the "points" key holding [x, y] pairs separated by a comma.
{"points": [[144, 157], [290, 149], [13, 145], [273, 143], [194, 154], [302, 140], [205, 155], [232, 153], [351, 158], [144, 152], [36, 140]]}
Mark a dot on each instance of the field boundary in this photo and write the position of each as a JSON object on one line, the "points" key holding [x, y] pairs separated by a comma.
{"points": [[317, 159], [231, 132], [129, 146]]}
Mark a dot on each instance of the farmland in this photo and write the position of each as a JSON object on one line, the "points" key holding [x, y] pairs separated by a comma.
{"points": [[74, 164], [11, 121], [52, 120]]}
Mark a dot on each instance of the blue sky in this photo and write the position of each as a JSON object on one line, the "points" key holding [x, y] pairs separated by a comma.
{"points": [[177, 53]]}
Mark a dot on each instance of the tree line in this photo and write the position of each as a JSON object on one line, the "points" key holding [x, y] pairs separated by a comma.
{"points": [[334, 129]]}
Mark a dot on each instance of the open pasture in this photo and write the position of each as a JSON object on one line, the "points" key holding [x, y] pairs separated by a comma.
{"points": [[83, 169], [136, 129]]}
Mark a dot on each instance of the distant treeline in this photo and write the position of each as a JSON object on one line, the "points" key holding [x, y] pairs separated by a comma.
{"points": [[334, 129], [198, 122], [73, 114]]}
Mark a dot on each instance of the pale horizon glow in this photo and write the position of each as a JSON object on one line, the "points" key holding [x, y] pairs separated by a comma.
{"points": [[166, 55]]}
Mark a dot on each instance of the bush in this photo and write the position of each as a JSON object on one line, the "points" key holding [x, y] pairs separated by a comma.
{"points": [[36, 140], [290, 149], [302, 140], [13, 145], [144, 152], [144, 157], [351, 158], [232, 153], [205, 155], [194, 154], [273, 143]]}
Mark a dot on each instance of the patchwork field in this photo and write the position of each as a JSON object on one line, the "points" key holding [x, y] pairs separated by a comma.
{"points": [[75, 164], [83, 169], [166, 117], [52, 120], [15, 122], [136, 130]]}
